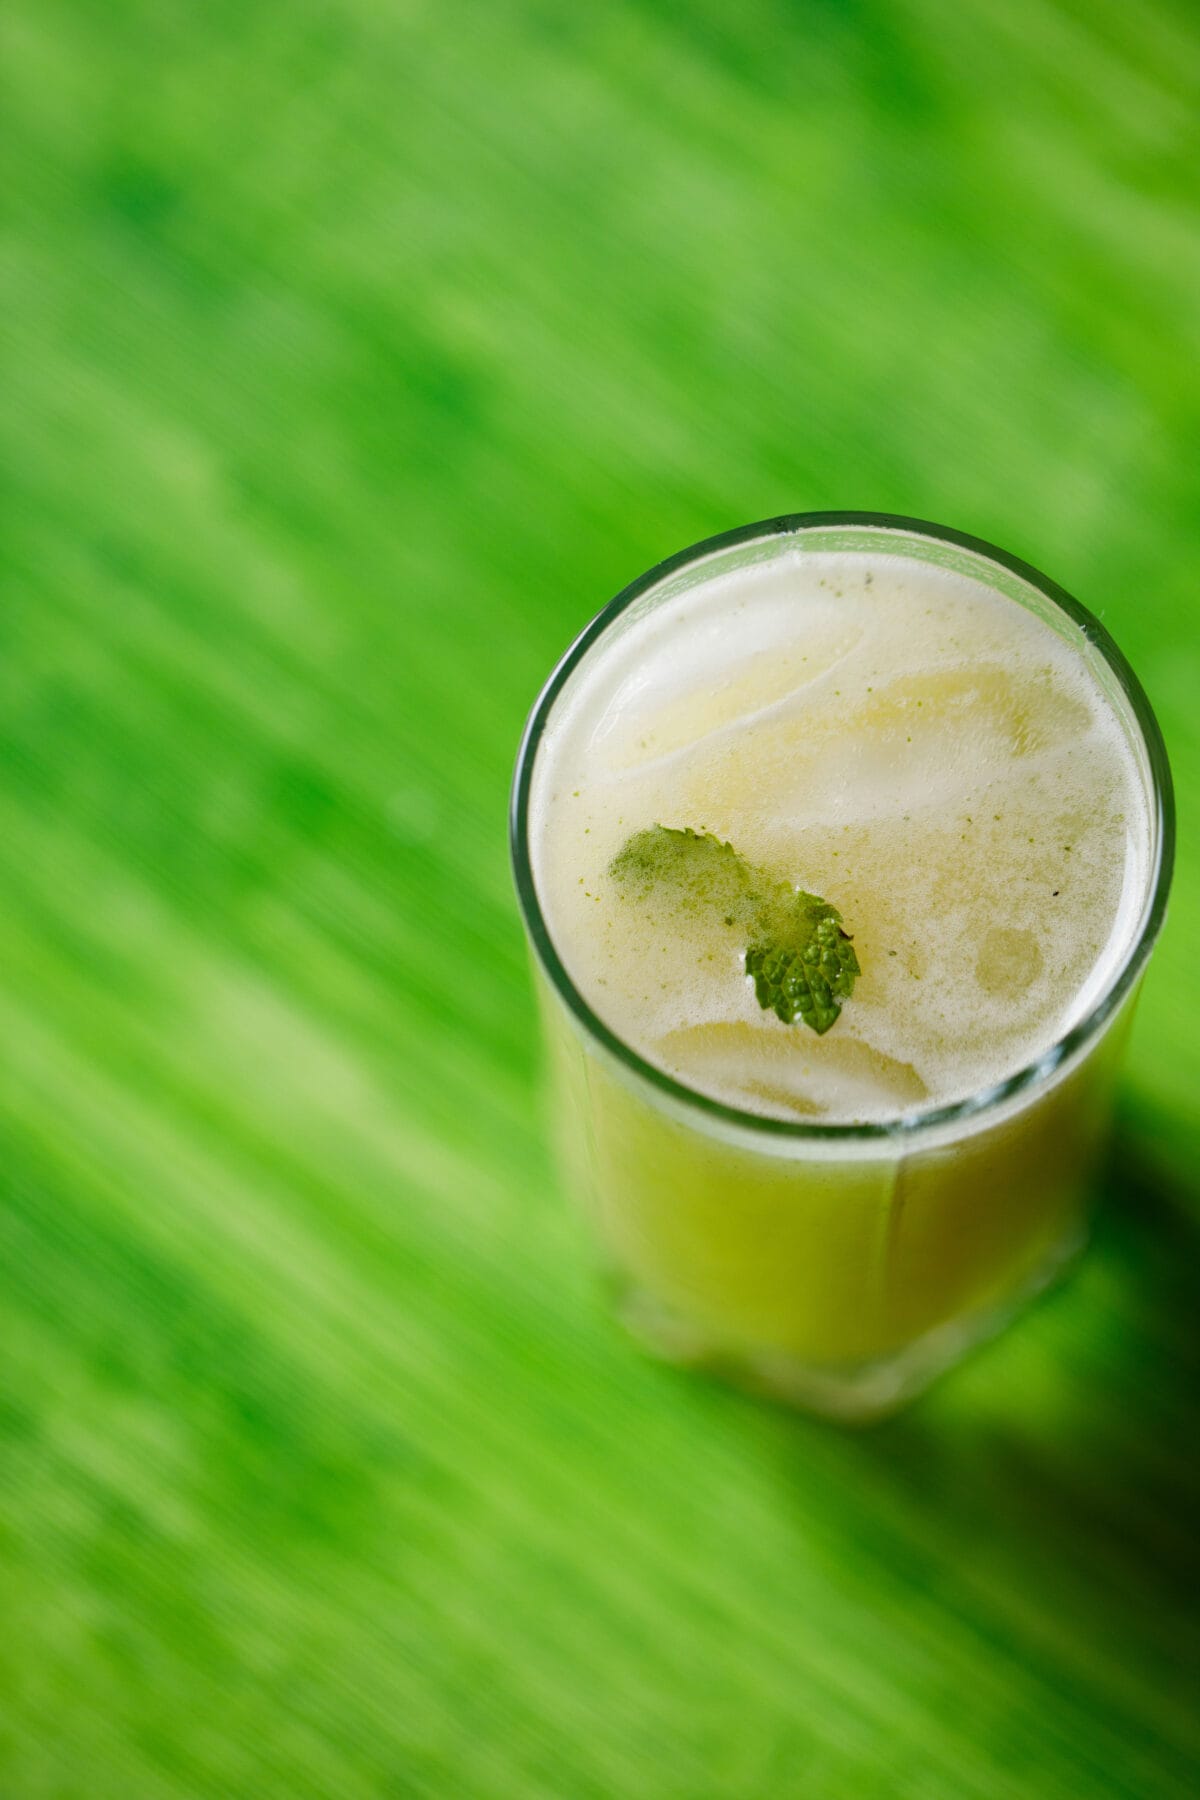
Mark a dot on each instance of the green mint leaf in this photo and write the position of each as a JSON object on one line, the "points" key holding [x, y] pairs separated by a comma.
{"points": [[806, 966], [800, 959], [703, 873]]}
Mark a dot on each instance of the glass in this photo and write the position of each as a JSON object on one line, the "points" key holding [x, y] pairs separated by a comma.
{"points": [[837, 1267]]}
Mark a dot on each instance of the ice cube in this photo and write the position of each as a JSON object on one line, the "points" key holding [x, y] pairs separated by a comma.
{"points": [[657, 712], [788, 1070], [924, 739]]}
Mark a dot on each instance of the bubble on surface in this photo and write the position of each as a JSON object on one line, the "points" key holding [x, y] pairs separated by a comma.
{"points": [[1008, 961]]}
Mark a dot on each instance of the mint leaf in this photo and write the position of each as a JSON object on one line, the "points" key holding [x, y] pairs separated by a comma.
{"points": [[704, 873], [806, 966], [800, 959]]}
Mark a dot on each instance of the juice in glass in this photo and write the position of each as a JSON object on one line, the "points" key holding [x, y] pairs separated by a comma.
{"points": [[833, 1198]]}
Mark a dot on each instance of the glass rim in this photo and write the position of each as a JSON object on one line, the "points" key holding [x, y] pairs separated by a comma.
{"points": [[986, 1100]]}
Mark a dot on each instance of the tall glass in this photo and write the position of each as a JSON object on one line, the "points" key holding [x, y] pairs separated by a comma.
{"points": [[839, 1267]]}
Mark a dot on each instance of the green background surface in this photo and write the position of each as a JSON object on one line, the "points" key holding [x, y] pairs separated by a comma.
{"points": [[356, 353]]}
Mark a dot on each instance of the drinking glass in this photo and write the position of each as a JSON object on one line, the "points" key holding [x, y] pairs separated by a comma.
{"points": [[839, 1267]]}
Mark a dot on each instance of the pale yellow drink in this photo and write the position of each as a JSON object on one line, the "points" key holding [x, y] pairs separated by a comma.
{"points": [[925, 739]]}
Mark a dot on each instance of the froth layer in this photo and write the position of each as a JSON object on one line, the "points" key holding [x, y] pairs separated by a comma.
{"points": [[931, 757]]}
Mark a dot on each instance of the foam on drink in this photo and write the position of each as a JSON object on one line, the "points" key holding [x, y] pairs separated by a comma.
{"points": [[932, 758]]}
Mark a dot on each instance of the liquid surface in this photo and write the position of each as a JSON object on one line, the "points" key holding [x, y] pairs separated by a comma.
{"points": [[929, 756]]}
